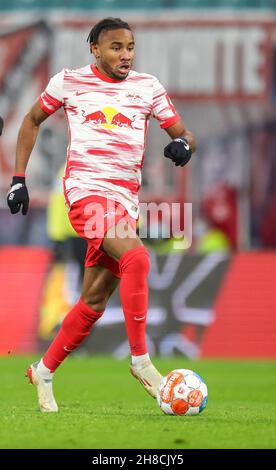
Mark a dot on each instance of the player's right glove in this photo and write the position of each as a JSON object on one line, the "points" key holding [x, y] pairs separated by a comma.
{"points": [[18, 195]]}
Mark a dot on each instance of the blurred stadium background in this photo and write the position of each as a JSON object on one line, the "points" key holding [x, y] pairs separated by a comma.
{"points": [[217, 59]]}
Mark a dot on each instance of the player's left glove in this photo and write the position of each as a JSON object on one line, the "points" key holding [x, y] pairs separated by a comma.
{"points": [[179, 151]]}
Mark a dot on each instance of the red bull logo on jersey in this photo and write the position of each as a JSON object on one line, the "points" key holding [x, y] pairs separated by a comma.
{"points": [[109, 118], [134, 97]]}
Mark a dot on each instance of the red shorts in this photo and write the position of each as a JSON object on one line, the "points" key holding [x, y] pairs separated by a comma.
{"points": [[91, 217]]}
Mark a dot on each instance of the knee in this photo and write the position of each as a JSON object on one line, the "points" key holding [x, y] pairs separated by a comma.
{"points": [[135, 260]]}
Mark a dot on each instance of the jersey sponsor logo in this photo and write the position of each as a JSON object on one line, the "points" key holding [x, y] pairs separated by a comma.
{"points": [[109, 118]]}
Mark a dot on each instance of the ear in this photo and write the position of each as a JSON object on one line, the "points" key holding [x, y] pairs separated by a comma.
{"points": [[94, 49]]}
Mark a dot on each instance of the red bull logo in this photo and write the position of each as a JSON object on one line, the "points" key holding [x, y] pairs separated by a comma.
{"points": [[109, 118], [97, 117]]}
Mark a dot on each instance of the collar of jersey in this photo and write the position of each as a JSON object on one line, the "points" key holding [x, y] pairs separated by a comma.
{"points": [[103, 77]]}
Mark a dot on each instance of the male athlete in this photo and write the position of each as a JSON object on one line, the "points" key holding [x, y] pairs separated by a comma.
{"points": [[107, 106]]}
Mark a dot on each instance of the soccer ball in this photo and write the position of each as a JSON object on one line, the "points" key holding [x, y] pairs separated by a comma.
{"points": [[182, 392]]}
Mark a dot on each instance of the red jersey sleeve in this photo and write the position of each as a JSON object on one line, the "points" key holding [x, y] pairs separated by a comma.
{"points": [[53, 98], [162, 107]]}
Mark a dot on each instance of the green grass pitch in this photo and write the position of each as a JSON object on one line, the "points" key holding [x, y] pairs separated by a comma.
{"points": [[103, 407]]}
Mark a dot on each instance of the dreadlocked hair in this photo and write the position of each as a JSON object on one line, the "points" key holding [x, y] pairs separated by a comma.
{"points": [[105, 25]]}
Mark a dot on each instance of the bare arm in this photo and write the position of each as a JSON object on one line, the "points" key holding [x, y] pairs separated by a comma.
{"points": [[27, 136], [179, 130]]}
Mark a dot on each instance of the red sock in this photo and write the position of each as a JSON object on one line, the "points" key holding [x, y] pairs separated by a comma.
{"points": [[134, 268], [74, 329]]}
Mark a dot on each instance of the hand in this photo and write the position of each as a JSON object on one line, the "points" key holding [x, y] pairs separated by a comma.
{"points": [[178, 150], [18, 195]]}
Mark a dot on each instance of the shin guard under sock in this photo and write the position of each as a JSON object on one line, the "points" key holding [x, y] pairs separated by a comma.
{"points": [[74, 329], [134, 268]]}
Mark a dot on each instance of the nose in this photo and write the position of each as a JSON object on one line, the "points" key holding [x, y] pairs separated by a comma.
{"points": [[126, 54]]}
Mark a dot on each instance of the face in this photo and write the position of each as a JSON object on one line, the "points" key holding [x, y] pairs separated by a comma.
{"points": [[114, 53]]}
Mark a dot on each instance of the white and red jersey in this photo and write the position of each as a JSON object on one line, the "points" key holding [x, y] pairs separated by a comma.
{"points": [[107, 124]]}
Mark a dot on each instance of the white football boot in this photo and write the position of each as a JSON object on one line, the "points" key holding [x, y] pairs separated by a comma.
{"points": [[148, 376], [46, 399]]}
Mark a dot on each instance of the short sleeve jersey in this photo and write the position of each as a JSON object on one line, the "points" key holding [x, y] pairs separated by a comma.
{"points": [[107, 125]]}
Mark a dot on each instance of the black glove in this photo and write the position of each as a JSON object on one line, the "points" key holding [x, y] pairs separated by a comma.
{"points": [[18, 195], [1, 125], [178, 150]]}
